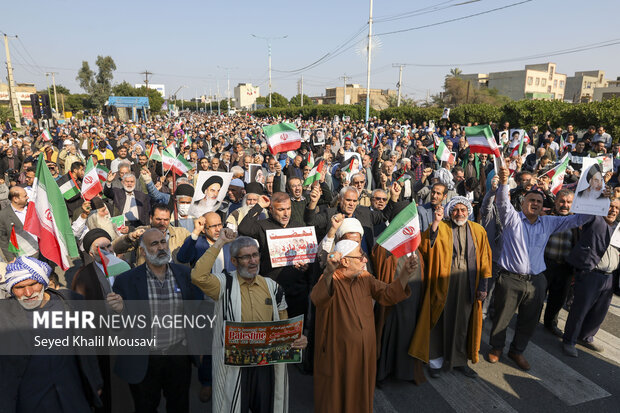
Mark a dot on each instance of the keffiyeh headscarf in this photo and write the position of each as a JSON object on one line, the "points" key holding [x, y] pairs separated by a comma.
{"points": [[26, 268], [455, 201]]}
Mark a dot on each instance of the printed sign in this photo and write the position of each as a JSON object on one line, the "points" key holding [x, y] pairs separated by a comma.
{"points": [[288, 246], [589, 197]]}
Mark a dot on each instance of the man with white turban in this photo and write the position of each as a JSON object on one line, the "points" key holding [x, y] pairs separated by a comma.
{"points": [[457, 262], [43, 382], [345, 361]]}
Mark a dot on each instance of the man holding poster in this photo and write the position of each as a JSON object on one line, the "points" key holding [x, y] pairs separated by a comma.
{"points": [[246, 296]]}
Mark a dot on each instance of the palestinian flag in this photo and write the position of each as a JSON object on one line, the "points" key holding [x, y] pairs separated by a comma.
{"points": [[47, 218], [154, 153], [91, 185], [481, 140], [404, 177], [177, 164], [13, 245], [402, 236], [69, 189], [47, 137], [310, 159], [315, 174], [118, 221], [171, 148], [349, 167], [443, 153], [282, 137], [112, 265], [102, 173], [557, 175]]}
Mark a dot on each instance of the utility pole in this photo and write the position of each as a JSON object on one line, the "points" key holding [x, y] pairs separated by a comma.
{"points": [[300, 89], [210, 100], [218, 98], [11, 81], [196, 99], [344, 96], [369, 60], [146, 74], [400, 79], [269, 39], [54, 88]]}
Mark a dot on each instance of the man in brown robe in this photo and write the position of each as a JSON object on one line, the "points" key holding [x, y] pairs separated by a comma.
{"points": [[457, 261], [345, 344]]}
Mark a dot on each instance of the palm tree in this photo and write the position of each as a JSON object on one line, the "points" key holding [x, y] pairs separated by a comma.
{"points": [[455, 72]]}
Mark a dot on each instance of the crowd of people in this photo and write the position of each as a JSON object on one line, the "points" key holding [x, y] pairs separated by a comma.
{"points": [[496, 241]]}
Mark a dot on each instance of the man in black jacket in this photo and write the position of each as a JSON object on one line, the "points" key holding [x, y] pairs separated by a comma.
{"points": [[294, 279], [595, 260]]}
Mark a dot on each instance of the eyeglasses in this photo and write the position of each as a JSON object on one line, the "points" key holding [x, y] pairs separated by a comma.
{"points": [[358, 257], [248, 257], [214, 226], [358, 182], [380, 199]]}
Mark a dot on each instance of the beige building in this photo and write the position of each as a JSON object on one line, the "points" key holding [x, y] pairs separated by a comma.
{"points": [[245, 95], [611, 90], [23, 92], [580, 88], [539, 81], [355, 94]]}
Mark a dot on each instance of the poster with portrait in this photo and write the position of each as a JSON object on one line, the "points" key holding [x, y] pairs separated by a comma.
{"points": [[319, 137], [289, 246], [305, 135], [589, 198], [446, 113], [503, 137], [210, 190], [255, 173], [352, 156], [515, 137]]}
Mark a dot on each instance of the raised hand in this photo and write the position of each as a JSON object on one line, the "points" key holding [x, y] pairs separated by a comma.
{"points": [[227, 235], [199, 225]]}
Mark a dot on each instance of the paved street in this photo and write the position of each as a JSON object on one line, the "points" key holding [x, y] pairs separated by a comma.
{"points": [[556, 383]]}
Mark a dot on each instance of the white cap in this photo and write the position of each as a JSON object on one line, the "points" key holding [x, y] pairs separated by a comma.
{"points": [[346, 246], [350, 225]]}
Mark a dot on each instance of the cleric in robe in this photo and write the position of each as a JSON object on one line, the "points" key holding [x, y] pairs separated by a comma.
{"points": [[457, 261], [596, 183]]}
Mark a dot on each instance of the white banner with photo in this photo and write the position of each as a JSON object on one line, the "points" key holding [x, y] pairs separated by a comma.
{"points": [[589, 198], [289, 246]]}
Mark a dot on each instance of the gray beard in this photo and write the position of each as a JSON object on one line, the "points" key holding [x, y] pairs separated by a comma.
{"points": [[245, 274], [33, 304], [154, 259], [459, 223]]}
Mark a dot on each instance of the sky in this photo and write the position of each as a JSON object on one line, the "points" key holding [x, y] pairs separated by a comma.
{"points": [[193, 45]]}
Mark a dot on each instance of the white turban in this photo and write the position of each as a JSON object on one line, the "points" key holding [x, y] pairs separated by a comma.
{"points": [[458, 200], [346, 246], [350, 225], [26, 268]]}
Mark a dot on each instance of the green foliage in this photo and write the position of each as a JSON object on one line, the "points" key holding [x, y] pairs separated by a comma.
{"points": [[78, 102], [296, 101], [6, 114], [277, 100], [125, 89], [404, 101], [98, 85], [414, 114]]}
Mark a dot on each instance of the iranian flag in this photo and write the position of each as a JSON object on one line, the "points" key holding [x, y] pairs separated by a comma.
{"points": [[47, 218], [171, 148], [402, 236], [91, 185], [47, 137], [154, 153], [315, 174], [69, 189], [282, 137], [112, 265], [13, 245], [481, 140], [177, 164], [310, 159], [187, 141], [557, 175], [102, 172], [443, 153], [375, 139]]}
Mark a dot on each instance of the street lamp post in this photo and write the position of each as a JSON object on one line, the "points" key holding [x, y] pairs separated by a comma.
{"points": [[269, 39]]}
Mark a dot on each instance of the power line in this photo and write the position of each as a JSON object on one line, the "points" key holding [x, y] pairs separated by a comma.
{"points": [[425, 10], [455, 19]]}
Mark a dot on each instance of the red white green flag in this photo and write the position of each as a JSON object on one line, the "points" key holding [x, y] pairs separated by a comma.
{"points": [[177, 164], [310, 159], [112, 265], [402, 236], [154, 153], [102, 173], [187, 141], [91, 185], [443, 153], [282, 137], [46, 135], [47, 218], [375, 139], [557, 175], [349, 167], [481, 140]]}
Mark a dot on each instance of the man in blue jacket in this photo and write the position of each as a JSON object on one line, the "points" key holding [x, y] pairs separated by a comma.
{"points": [[595, 260]]}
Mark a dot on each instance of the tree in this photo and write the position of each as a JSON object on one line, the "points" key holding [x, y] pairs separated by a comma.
{"points": [[296, 101], [404, 101], [125, 89], [98, 85], [455, 72], [277, 100]]}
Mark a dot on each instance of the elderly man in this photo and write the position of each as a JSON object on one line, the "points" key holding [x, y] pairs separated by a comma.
{"points": [[165, 285], [358, 181], [182, 195], [135, 205], [246, 296], [595, 260], [252, 192], [236, 191], [46, 382], [14, 216], [345, 351], [426, 212], [206, 231], [294, 279], [521, 284], [457, 262]]}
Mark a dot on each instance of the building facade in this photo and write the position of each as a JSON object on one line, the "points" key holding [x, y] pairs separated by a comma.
{"points": [[539, 81], [580, 88], [245, 95], [355, 94], [23, 92], [610, 91]]}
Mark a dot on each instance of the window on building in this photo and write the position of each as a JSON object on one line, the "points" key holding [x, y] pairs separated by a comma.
{"points": [[549, 89], [560, 97], [530, 80], [537, 81], [589, 85], [543, 82], [561, 83], [601, 79], [555, 83]]}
